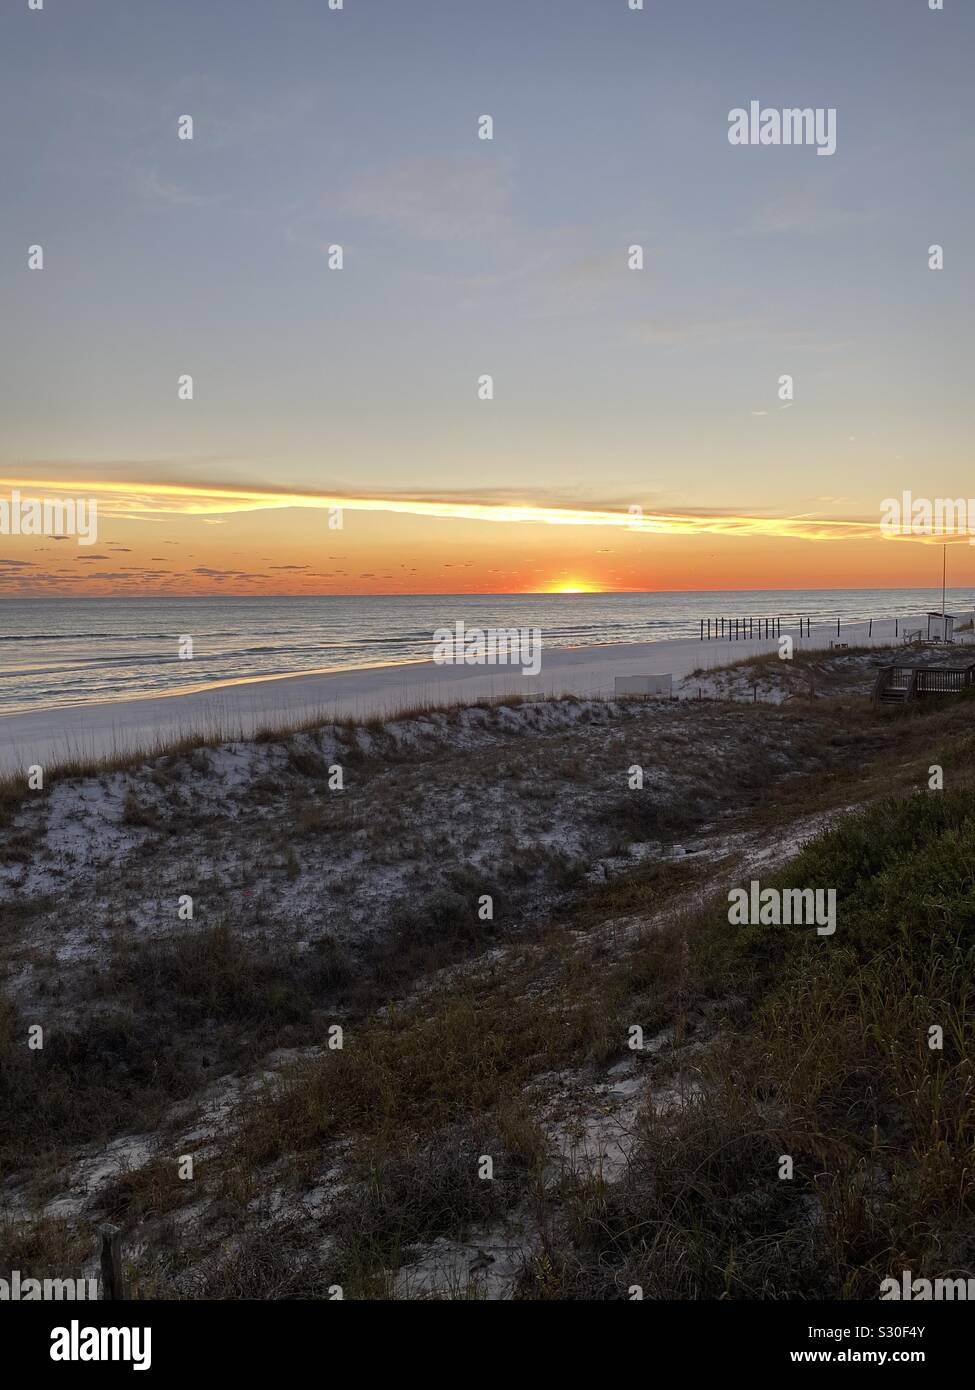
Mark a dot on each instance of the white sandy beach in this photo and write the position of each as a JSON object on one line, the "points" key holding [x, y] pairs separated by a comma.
{"points": [[46, 737]]}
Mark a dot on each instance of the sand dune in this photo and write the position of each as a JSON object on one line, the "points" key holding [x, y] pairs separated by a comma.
{"points": [[238, 709]]}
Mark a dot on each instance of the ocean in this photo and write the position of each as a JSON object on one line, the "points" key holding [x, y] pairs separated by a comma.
{"points": [[60, 653]]}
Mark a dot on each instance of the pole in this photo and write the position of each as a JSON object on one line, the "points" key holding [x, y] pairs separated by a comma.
{"points": [[113, 1280]]}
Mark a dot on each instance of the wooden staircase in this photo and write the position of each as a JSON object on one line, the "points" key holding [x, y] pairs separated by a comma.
{"points": [[895, 685]]}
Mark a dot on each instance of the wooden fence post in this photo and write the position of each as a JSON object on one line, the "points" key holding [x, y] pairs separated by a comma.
{"points": [[113, 1280]]}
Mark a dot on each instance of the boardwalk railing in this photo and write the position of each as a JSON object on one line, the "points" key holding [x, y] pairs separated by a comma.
{"points": [[944, 680], [915, 682]]}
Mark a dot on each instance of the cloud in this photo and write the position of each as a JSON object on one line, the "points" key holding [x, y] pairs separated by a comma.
{"points": [[680, 332], [436, 199], [673, 332], [137, 499], [158, 190], [208, 573], [807, 209]]}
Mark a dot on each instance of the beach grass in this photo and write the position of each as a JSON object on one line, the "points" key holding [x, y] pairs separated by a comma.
{"points": [[767, 1044]]}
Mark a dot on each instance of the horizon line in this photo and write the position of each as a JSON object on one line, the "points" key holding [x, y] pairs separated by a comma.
{"points": [[493, 593]]}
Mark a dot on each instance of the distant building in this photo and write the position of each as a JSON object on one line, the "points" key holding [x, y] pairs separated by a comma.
{"points": [[941, 627]]}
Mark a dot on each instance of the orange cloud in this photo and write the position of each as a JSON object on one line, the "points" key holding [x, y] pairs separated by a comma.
{"points": [[143, 499]]}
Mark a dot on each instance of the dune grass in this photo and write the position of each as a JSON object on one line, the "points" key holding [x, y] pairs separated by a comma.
{"points": [[816, 1049], [76, 762], [830, 1066]]}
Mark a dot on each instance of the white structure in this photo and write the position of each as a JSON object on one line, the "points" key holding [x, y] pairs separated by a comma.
{"points": [[941, 627], [644, 685]]}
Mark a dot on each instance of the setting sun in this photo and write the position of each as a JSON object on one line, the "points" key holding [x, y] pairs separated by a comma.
{"points": [[573, 586]]}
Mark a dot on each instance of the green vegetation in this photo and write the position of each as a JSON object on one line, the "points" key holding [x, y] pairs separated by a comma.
{"points": [[832, 1067], [464, 1039], [205, 991]]}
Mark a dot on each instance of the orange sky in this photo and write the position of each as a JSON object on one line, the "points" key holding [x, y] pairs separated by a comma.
{"points": [[200, 540]]}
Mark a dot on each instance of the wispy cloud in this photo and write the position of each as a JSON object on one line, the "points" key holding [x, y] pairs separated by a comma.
{"points": [[201, 500], [706, 332], [156, 189], [436, 199]]}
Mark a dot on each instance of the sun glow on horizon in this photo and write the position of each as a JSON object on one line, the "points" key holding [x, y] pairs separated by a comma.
{"points": [[573, 586], [200, 539]]}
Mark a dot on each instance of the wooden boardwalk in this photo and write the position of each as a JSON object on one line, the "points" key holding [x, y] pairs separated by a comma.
{"points": [[897, 684]]}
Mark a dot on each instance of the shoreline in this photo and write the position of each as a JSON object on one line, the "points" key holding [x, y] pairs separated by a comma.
{"points": [[241, 708]]}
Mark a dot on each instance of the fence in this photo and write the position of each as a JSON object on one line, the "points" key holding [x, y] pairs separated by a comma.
{"points": [[747, 629], [752, 629]]}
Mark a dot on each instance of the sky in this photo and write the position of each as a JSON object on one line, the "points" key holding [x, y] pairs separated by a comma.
{"points": [[613, 389]]}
